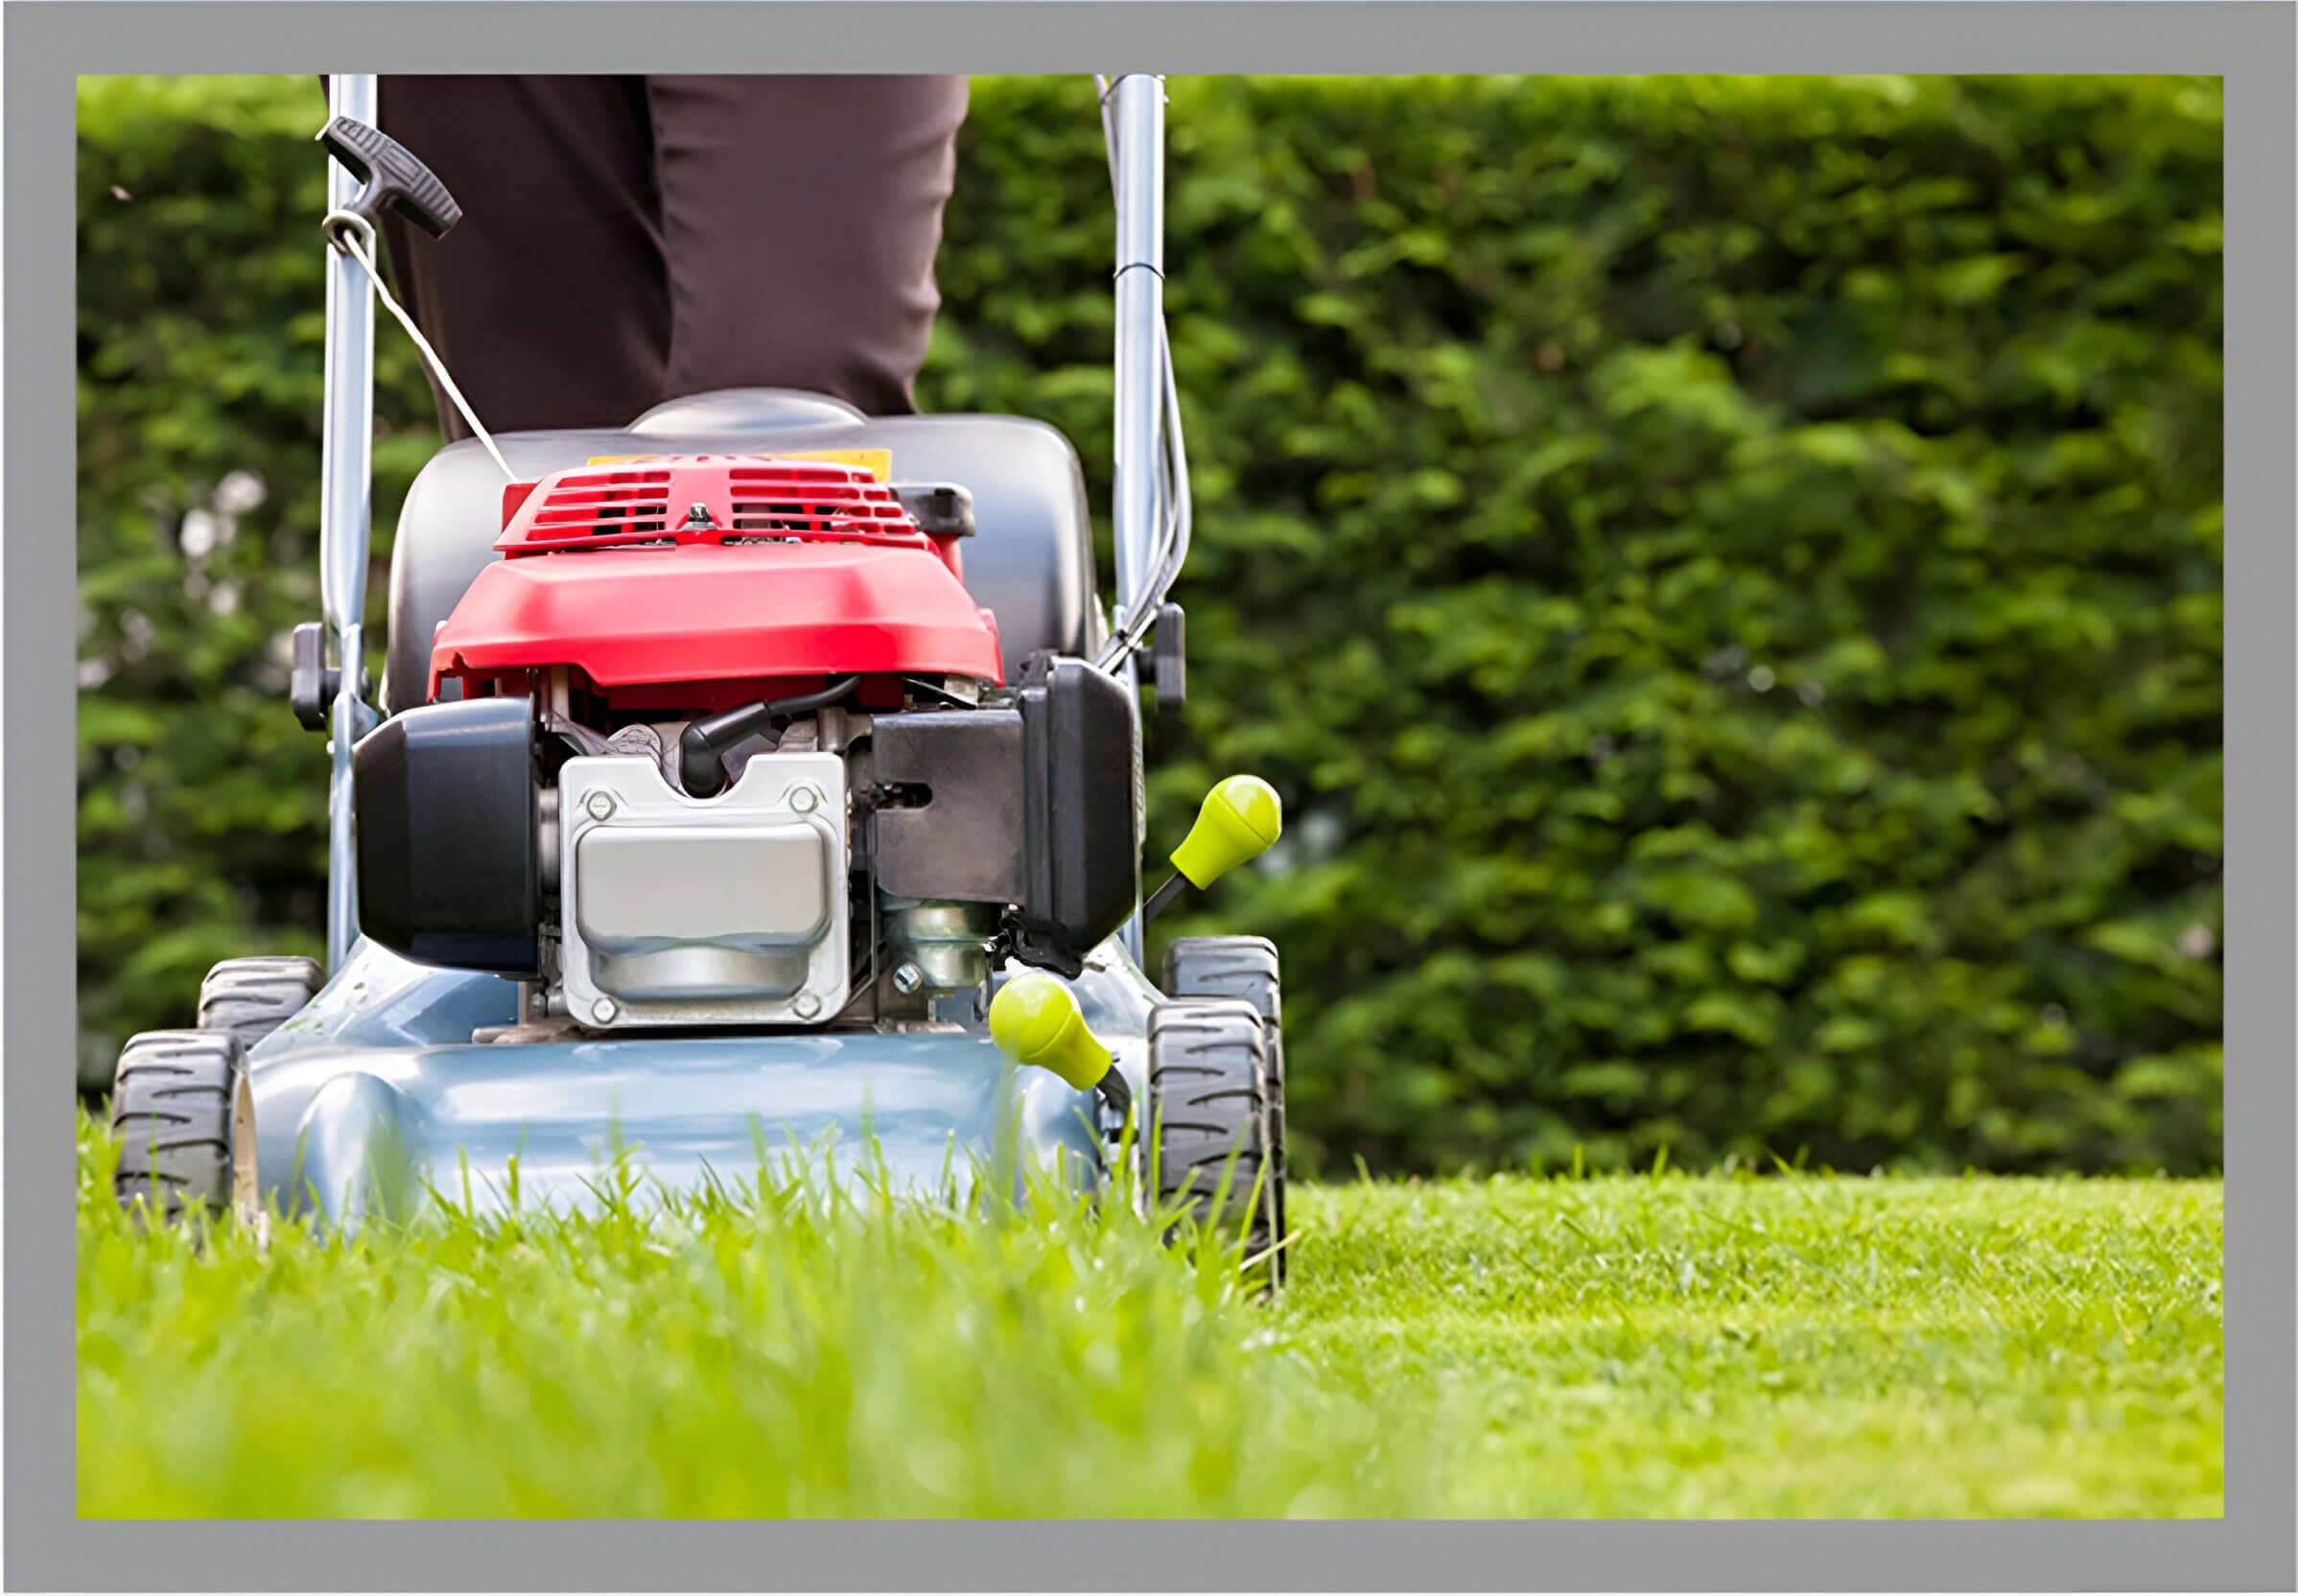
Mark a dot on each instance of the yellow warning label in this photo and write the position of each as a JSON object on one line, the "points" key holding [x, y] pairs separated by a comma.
{"points": [[879, 462]]}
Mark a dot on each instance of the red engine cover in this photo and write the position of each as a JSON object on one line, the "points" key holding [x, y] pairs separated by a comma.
{"points": [[714, 572]]}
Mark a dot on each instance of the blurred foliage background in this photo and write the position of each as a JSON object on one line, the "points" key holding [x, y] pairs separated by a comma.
{"points": [[1725, 574]]}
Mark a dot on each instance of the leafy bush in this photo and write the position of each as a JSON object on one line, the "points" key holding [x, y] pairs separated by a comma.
{"points": [[1724, 572]]}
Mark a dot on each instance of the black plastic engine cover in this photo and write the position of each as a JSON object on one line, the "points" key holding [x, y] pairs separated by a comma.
{"points": [[1081, 806], [1038, 806], [448, 835], [964, 842]]}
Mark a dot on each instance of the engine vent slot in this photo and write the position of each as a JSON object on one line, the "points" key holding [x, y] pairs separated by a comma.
{"points": [[708, 498], [609, 507], [814, 502]]}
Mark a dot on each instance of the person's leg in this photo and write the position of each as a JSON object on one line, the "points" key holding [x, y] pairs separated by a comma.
{"points": [[549, 300], [800, 221]]}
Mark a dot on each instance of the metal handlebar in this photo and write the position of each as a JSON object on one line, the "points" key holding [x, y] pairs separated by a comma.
{"points": [[1152, 508], [346, 529]]}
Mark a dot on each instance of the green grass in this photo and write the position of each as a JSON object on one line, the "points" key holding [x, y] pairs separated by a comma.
{"points": [[1790, 1346]]}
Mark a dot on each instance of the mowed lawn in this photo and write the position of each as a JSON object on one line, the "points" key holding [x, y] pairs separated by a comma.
{"points": [[1671, 1346]]}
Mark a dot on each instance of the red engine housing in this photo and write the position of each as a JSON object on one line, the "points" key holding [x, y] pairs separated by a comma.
{"points": [[699, 582]]}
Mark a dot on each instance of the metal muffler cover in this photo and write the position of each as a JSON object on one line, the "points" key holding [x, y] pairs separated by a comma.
{"points": [[683, 911]]}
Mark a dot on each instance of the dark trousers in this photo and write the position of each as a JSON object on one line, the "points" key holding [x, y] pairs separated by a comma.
{"points": [[630, 240]]}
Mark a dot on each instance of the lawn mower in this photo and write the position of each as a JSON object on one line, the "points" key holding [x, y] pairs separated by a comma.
{"points": [[757, 778]]}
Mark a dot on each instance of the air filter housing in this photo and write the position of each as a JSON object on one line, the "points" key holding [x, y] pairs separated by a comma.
{"points": [[449, 836]]}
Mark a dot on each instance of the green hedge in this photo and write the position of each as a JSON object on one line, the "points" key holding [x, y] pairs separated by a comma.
{"points": [[1724, 572]]}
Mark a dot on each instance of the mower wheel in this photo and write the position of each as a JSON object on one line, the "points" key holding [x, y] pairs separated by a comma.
{"points": [[185, 1117], [250, 999], [1243, 968], [1208, 1114]]}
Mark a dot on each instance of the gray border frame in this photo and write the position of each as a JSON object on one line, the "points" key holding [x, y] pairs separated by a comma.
{"points": [[2250, 44]]}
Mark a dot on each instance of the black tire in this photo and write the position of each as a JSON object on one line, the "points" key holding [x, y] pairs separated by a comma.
{"points": [[184, 1113], [1244, 968], [250, 999], [1208, 1114]]}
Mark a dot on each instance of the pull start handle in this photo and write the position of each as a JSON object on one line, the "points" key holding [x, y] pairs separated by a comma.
{"points": [[391, 178]]}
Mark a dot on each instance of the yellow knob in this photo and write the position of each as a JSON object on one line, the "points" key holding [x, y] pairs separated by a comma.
{"points": [[1035, 1019], [1240, 819]]}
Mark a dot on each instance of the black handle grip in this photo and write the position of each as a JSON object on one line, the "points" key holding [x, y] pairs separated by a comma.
{"points": [[1169, 656], [392, 176], [313, 682]]}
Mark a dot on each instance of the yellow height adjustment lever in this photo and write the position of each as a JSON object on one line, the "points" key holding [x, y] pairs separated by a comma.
{"points": [[1241, 818], [1034, 1020]]}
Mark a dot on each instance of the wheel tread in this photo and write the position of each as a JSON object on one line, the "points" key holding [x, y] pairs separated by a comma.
{"points": [[171, 1113], [1207, 1104], [1245, 969], [251, 998]]}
